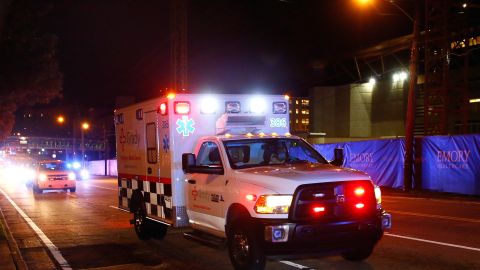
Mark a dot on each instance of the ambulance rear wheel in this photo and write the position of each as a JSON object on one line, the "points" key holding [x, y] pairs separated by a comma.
{"points": [[73, 189], [244, 247], [358, 254], [140, 224]]}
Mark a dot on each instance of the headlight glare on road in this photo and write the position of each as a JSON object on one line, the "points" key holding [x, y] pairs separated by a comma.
{"points": [[273, 204], [84, 174]]}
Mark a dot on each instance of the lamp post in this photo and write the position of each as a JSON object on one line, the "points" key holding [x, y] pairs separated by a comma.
{"points": [[85, 127], [410, 114], [61, 120]]}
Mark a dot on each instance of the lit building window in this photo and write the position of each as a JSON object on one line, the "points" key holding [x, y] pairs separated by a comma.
{"points": [[305, 102], [296, 121], [296, 111], [305, 111], [305, 121], [296, 101]]}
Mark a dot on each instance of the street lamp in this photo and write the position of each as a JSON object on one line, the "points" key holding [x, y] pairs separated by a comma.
{"points": [[410, 117], [60, 119], [85, 127]]}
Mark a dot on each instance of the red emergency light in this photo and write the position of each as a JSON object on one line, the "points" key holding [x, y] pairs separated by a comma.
{"points": [[359, 205], [163, 109], [182, 107], [359, 191], [318, 209]]}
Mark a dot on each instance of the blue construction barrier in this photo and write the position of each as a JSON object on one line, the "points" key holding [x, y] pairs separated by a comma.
{"points": [[451, 164], [443, 163], [382, 159]]}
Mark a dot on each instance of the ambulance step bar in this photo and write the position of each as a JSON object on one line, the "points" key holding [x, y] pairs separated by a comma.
{"points": [[206, 239]]}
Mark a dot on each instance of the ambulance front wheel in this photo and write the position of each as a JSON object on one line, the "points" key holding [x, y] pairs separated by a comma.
{"points": [[244, 247], [358, 254]]}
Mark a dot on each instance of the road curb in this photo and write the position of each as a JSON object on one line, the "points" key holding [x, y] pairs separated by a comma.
{"points": [[12, 245]]}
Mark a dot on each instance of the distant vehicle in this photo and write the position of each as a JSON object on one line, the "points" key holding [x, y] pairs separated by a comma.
{"points": [[80, 173], [54, 175]]}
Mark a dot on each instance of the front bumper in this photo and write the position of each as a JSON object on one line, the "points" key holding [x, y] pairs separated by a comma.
{"points": [[57, 184], [284, 238]]}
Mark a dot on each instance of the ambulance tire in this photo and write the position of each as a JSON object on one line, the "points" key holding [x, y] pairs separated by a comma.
{"points": [[157, 230], [73, 189], [358, 254], [244, 247], [142, 228]]}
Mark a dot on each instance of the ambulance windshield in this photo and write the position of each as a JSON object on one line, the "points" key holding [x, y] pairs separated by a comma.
{"points": [[270, 151]]}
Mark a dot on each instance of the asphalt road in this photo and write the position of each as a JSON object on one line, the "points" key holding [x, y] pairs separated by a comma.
{"points": [[84, 230]]}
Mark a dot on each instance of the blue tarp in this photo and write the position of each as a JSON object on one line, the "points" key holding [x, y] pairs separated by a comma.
{"points": [[382, 159], [451, 163]]}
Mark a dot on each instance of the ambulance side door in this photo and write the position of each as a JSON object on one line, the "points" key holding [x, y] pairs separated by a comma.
{"points": [[151, 144], [206, 192]]}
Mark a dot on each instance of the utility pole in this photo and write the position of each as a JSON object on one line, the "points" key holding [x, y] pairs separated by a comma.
{"points": [[178, 45], [410, 119]]}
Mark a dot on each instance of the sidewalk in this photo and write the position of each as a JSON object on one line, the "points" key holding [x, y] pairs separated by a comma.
{"points": [[10, 256]]}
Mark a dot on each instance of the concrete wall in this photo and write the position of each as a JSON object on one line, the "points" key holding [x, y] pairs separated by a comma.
{"points": [[359, 110], [97, 167]]}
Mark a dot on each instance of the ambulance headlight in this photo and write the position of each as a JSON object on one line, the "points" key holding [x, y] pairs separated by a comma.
{"points": [[208, 105], [378, 195], [71, 176], [273, 204], [76, 165], [257, 105]]}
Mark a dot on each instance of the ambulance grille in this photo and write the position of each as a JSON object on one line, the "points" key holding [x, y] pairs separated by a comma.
{"points": [[335, 201]]}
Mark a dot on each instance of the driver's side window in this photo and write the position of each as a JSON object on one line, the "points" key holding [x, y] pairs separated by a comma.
{"points": [[209, 155]]}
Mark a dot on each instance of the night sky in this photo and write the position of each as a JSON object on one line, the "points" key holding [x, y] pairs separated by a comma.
{"points": [[112, 48]]}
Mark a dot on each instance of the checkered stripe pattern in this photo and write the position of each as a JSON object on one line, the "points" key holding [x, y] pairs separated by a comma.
{"points": [[157, 196]]}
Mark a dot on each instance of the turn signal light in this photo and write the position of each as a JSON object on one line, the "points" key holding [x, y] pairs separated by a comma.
{"points": [[251, 197], [163, 109]]}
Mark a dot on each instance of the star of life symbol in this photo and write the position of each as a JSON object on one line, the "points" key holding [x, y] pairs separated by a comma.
{"points": [[185, 126], [166, 143]]}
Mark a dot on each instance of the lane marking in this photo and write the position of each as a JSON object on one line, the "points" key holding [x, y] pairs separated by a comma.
{"points": [[118, 208], [296, 265], [46, 241], [431, 199], [432, 242], [104, 187], [435, 216]]}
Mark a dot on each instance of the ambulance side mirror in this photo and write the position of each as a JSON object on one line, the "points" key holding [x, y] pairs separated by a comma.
{"points": [[189, 166], [338, 157], [188, 161]]}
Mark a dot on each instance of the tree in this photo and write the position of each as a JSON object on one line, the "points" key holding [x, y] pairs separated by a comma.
{"points": [[29, 69]]}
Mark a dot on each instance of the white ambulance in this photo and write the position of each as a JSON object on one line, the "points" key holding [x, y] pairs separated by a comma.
{"points": [[227, 166]]}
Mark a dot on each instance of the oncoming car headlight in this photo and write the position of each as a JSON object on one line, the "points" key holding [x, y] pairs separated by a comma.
{"points": [[42, 177], [273, 204], [71, 176]]}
